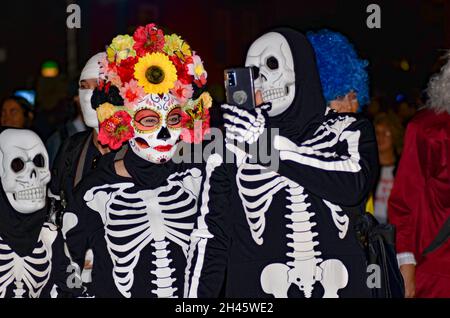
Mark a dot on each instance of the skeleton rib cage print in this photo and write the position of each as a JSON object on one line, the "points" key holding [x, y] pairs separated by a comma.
{"points": [[145, 226], [28, 275], [292, 235]]}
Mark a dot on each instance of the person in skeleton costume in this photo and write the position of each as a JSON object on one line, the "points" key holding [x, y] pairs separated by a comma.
{"points": [[285, 233], [137, 211], [32, 259]]}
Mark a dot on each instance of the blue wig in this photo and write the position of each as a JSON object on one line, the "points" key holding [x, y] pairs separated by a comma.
{"points": [[340, 68]]}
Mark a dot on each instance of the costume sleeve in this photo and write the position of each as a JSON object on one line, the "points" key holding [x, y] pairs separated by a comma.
{"points": [[403, 201], [337, 165], [207, 257], [76, 230], [406, 258], [67, 280]]}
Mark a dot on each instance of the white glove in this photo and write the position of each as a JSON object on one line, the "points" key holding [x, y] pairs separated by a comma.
{"points": [[243, 125]]}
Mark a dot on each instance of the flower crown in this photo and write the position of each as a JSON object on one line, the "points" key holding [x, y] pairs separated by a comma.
{"points": [[149, 62]]}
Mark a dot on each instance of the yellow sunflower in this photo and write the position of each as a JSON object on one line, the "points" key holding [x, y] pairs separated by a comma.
{"points": [[155, 73]]}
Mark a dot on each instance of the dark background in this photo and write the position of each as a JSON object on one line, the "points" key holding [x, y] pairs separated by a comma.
{"points": [[221, 31]]}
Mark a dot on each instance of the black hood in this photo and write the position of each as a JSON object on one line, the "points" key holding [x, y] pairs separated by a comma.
{"points": [[308, 107]]}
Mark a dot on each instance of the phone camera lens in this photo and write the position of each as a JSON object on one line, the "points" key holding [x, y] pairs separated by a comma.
{"points": [[231, 79]]}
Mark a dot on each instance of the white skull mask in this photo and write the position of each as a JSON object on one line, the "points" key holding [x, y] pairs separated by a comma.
{"points": [[24, 169], [272, 55], [157, 125]]}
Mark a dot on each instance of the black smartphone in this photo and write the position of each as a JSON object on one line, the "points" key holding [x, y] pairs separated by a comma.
{"points": [[239, 87]]}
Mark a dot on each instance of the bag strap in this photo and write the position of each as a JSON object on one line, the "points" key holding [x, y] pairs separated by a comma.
{"points": [[81, 161], [121, 153], [442, 236]]}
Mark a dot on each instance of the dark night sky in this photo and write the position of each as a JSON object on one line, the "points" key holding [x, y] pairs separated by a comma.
{"points": [[221, 31]]}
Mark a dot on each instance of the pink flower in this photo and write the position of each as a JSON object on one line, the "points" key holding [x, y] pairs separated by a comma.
{"points": [[196, 69], [114, 78], [131, 93], [182, 92], [108, 71], [104, 65]]}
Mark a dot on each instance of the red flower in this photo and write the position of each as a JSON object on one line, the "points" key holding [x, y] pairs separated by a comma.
{"points": [[116, 130], [201, 81], [148, 39], [104, 86], [125, 69], [195, 129], [182, 70]]}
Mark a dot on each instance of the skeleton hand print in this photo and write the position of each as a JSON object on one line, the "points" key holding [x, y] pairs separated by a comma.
{"points": [[245, 126]]}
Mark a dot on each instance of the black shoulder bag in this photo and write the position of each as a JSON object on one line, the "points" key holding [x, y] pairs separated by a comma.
{"points": [[378, 242]]}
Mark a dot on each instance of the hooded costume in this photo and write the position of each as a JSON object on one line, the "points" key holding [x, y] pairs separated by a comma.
{"points": [[32, 259], [289, 232], [138, 225]]}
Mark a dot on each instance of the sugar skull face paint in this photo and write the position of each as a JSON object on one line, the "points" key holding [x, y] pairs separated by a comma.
{"points": [[157, 124]]}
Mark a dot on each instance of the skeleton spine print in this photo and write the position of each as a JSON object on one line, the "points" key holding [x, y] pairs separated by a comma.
{"points": [[305, 267]]}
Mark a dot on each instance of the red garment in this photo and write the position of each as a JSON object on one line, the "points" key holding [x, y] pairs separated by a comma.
{"points": [[420, 199]]}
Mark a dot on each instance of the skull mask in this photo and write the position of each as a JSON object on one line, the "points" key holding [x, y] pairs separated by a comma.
{"points": [[272, 55], [24, 169], [157, 125]]}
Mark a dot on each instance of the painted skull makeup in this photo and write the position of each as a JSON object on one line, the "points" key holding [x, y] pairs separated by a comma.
{"points": [[272, 55], [24, 169], [157, 125]]}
